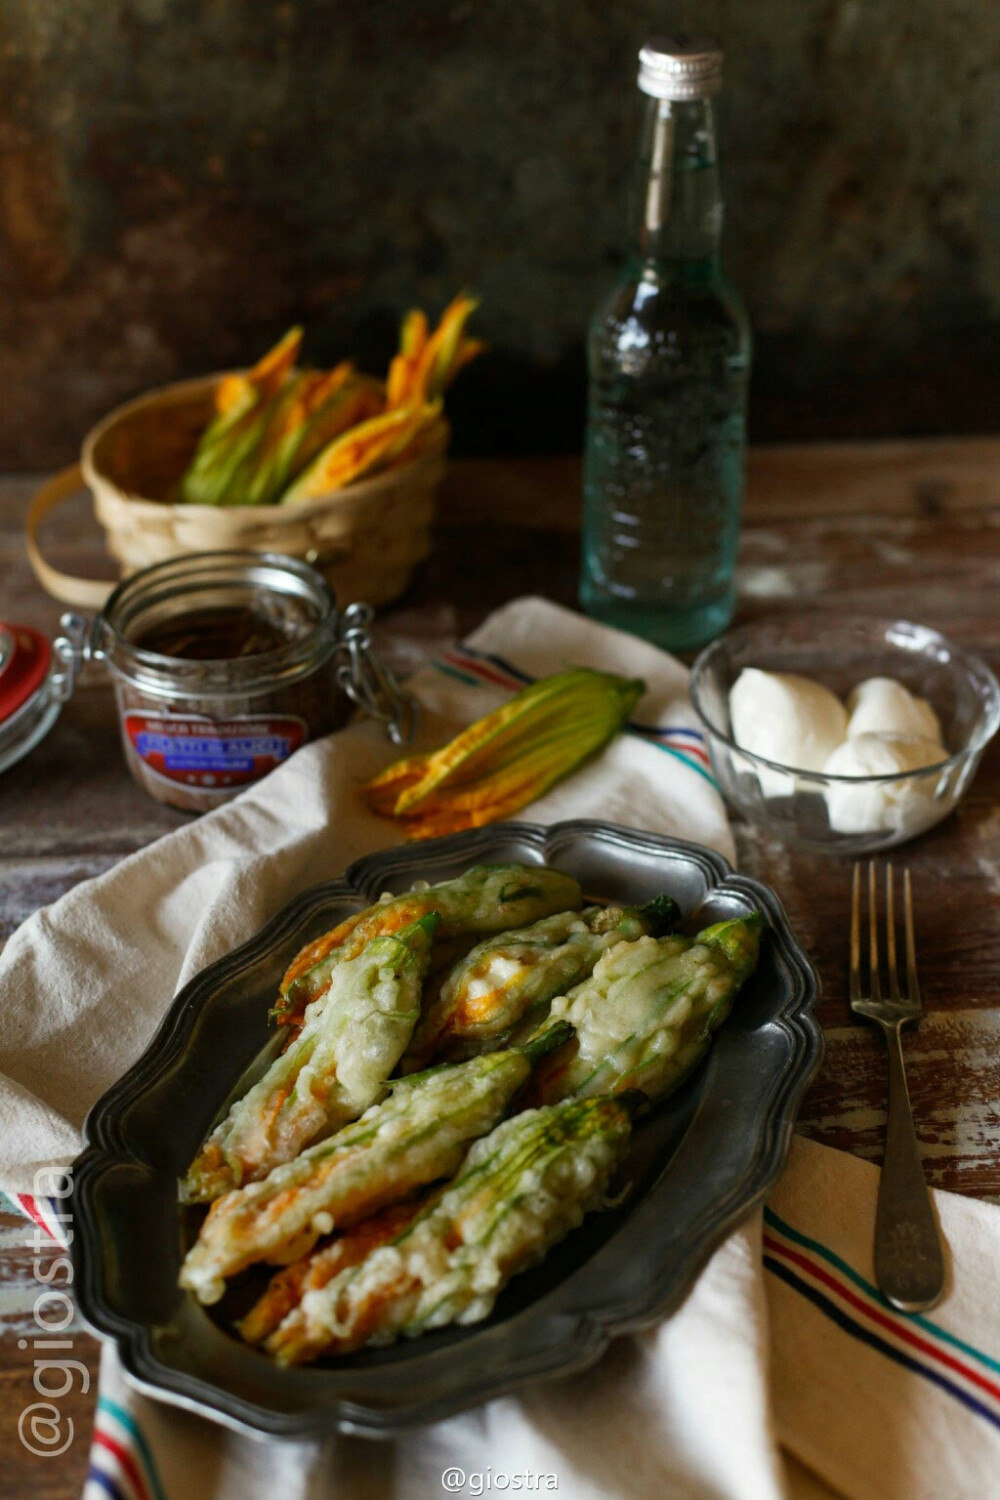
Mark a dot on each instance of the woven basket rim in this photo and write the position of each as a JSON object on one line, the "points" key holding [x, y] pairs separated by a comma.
{"points": [[176, 392]]}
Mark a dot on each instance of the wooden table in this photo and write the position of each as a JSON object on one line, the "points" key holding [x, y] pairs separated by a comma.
{"points": [[908, 528]]}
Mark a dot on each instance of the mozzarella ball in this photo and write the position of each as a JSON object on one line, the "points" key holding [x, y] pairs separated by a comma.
{"points": [[882, 806], [881, 705], [788, 719]]}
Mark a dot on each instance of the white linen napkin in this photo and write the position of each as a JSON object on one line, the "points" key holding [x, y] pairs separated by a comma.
{"points": [[871, 1402]]}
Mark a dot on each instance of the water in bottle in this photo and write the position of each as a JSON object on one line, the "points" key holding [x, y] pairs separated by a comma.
{"points": [[669, 355]]}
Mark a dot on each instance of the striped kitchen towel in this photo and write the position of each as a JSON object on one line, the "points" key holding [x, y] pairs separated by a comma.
{"points": [[881, 1403]]}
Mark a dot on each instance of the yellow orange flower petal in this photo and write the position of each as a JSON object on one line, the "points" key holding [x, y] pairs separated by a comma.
{"points": [[508, 758]]}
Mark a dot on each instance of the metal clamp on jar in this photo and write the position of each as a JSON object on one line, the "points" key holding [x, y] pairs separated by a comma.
{"points": [[224, 663]]}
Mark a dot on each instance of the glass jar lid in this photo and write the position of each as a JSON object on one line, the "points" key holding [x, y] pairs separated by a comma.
{"points": [[214, 623], [290, 623]]}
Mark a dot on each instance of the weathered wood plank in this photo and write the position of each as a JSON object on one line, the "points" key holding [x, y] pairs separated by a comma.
{"points": [[953, 1073], [926, 478], [788, 482]]}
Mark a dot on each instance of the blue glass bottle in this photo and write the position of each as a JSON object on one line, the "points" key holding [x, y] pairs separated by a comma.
{"points": [[669, 357]]}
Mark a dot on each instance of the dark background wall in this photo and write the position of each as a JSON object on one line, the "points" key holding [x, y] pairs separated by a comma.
{"points": [[181, 179]]}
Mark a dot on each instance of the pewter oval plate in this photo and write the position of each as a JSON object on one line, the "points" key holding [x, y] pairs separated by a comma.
{"points": [[696, 1167]]}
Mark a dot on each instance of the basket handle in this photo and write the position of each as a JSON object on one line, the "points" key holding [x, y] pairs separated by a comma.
{"points": [[84, 593]]}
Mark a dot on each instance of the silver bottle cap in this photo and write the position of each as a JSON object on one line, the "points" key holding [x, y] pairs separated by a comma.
{"points": [[684, 66]]}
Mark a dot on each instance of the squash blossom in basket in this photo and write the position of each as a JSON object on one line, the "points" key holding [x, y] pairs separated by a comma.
{"points": [[509, 758], [281, 434]]}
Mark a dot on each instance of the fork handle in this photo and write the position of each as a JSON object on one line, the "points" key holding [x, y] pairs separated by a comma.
{"points": [[909, 1260]]}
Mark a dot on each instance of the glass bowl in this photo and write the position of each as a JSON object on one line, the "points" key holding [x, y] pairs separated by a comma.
{"points": [[848, 814]]}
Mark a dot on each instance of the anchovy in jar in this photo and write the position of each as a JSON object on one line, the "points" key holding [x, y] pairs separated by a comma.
{"points": [[224, 663]]}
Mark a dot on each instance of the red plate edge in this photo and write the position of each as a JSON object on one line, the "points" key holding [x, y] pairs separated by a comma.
{"points": [[27, 669]]}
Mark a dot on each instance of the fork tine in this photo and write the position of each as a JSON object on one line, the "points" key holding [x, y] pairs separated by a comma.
{"points": [[890, 932], [912, 983], [855, 982], [874, 987]]}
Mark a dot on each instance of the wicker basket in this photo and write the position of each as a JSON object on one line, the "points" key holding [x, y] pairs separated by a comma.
{"points": [[367, 538]]}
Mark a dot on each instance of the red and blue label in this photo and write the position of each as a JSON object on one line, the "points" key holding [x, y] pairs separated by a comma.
{"points": [[201, 752]]}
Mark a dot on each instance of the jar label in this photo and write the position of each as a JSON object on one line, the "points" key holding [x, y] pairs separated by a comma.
{"points": [[213, 753]]}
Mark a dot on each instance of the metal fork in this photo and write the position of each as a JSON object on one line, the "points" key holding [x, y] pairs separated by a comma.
{"points": [[909, 1260]]}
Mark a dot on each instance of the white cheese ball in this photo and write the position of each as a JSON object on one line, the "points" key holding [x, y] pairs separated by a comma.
{"points": [[882, 807], [881, 705], [785, 718]]}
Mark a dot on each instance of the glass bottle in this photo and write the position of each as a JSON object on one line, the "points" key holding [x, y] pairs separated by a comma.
{"points": [[669, 356]]}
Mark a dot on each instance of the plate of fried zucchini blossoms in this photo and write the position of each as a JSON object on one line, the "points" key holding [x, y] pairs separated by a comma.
{"points": [[444, 1127]]}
